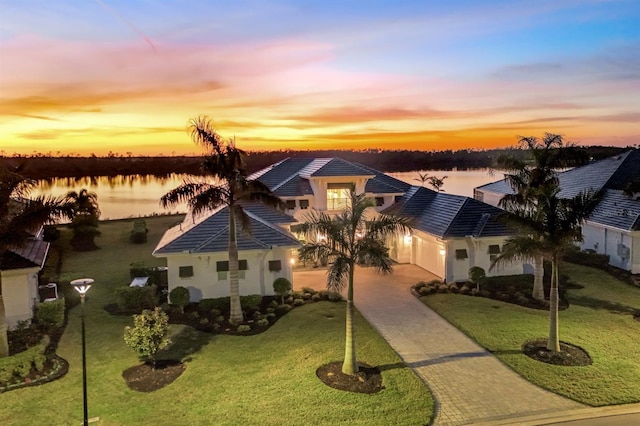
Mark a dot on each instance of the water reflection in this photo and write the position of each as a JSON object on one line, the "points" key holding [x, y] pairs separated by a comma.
{"points": [[139, 195]]}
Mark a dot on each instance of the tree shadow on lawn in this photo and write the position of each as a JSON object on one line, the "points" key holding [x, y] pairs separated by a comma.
{"points": [[599, 304], [187, 341]]}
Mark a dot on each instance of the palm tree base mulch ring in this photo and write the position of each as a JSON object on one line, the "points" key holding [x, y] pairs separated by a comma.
{"points": [[367, 380], [144, 378], [569, 355]]}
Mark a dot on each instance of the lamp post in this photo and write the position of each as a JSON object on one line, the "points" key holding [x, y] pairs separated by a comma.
{"points": [[83, 285]]}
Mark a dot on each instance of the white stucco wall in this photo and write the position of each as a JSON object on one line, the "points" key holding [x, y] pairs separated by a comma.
{"points": [[488, 197], [205, 282], [319, 187], [607, 240], [20, 293]]}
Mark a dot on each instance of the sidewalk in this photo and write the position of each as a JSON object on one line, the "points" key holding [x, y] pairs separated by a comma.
{"points": [[469, 384]]}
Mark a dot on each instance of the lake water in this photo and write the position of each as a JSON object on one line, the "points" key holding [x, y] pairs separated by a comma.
{"points": [[133, 196]]}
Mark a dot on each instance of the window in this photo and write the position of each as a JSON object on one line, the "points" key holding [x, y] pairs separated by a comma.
{"points": [[185, 271], [494, 251], [222, 267], [478, 195], [397, 198], [304, 204], [291, 204], [338, 196], [275, 265], [379, 201], [461, 254]]}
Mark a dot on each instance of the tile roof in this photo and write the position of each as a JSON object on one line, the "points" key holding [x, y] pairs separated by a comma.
{"points": [[611, 174], [290, 177], [447, 215], [32, 254], [212, 233], [618, 211]]}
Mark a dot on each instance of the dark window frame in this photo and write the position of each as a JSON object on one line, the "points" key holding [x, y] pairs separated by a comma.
{"points": [[461, 254], [275, 265], [185, 271]]}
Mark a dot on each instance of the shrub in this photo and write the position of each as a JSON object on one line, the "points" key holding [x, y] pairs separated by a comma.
{"points": [[251, 302], [419, 285], [204, 321], [308, 290], [426, 290], [283, 309], [522, 300], [139, 232], [453, 288], [17, 366], [207, 306], [443, 288], [288, 300], [273, 304], [316, 298], [244, 328], [484, 293], [50, 233], [271, 315], [281, 286], [478, 276], [135, 299], [298, 302], [464, 289], [50, 314], [334, 296], [148, 334], [271, 310], [219, 319], [262, 322], [588, 258], [137, 269], [179, 296]]}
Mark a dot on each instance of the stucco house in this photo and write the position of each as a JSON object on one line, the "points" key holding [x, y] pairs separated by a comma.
{"points": [[452, 232], [20, 268], [614, 227], [197, 252]]}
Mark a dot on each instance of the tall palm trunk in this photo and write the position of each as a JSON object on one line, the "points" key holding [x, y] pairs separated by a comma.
{"points": [[350, 366], [235, 315], [538, 275], [4, 341], [553, 344]]}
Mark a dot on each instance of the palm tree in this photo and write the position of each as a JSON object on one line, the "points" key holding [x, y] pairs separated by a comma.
{"points": [[85, 214], [224, 162], [437, 183], [19, 216], [350, 238], [549, 230], [422, 178], [528, 183]]}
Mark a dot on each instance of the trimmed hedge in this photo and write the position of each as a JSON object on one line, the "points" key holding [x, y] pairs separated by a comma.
{"points": [[17, 366], [135, 299], [50, 314]]}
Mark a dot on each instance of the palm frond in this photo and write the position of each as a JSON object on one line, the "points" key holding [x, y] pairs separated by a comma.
{"points": [[338, 273]]}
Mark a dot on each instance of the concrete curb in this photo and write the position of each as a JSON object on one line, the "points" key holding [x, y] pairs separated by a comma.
{"points": [[566, 416]]}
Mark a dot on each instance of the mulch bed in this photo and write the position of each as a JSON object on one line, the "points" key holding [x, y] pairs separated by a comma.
{"points": [[367, 380], [144, 378], [569, 355], [54, 368]]}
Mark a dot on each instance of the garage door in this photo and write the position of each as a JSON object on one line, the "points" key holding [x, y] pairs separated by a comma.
{"points": [[428, 256]]}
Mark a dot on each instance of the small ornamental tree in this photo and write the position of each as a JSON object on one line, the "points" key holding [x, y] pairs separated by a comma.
{"points": [[179, 296], [148, 334], [478, 276], [282, 286]]}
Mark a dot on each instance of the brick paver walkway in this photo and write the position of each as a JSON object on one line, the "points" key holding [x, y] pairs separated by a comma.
{"points": [[470, 384]]}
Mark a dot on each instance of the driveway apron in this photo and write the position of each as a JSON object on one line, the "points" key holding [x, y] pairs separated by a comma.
{"points": [[470, 385]]}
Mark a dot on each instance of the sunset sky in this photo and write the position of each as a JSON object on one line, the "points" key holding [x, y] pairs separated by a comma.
{"points": [[93, 76]]}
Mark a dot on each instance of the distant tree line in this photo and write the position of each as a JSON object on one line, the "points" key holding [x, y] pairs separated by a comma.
{"points": [[44, 167]]}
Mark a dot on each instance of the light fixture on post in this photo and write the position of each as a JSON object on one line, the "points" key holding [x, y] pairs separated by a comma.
{"points": [[83, 285]]}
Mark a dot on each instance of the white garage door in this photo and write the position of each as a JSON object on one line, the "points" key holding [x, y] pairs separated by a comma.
{"points": [[428, 256]]}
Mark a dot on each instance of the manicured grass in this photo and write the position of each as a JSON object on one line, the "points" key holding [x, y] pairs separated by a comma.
{"points": [[266, 379], [599, 320]]}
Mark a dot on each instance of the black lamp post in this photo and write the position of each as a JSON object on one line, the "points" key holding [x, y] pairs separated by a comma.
{"points": [[83, 285]]}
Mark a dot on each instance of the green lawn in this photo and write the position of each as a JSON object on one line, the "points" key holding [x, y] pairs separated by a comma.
{"points": [[263, 379], [599, 320]]}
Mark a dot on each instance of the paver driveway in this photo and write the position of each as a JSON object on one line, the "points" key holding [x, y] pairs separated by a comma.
{"points": [[470, 384]]}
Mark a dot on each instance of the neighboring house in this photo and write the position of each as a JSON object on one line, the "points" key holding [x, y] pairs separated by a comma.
{"points": [[19, 268], [451, 234], [614, 227], [197, 252]]}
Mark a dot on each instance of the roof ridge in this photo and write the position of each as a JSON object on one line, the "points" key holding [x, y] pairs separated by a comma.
{"points": [[269, 225], [466, 199]]}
